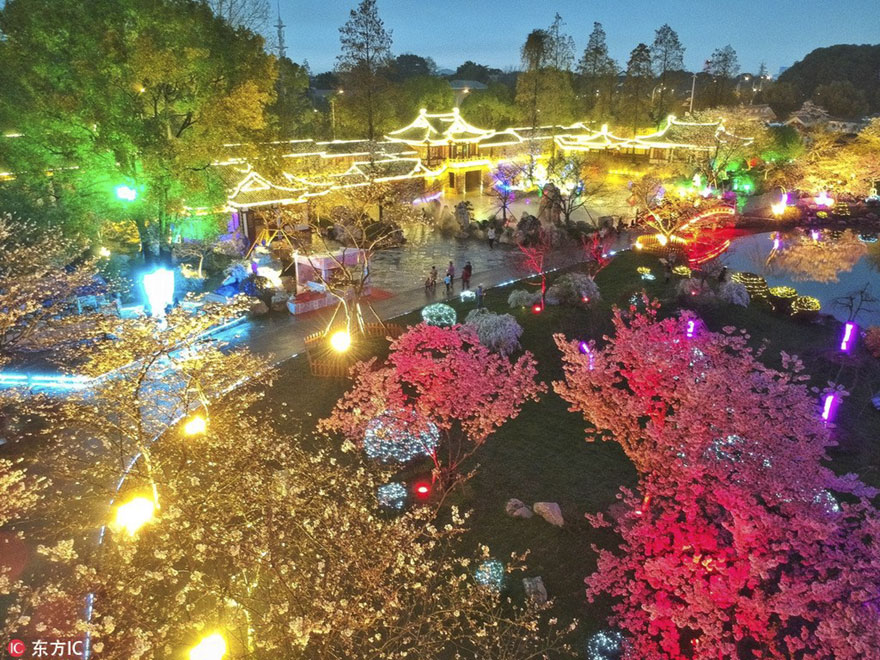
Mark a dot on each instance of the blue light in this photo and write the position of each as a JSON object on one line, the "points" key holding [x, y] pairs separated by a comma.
{"points": [[159, 287], [48, 381]]}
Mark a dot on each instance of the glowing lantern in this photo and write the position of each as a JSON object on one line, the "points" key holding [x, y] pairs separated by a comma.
{"points": [[212, 647], [159, 287], [691, 327], [195, 426], [134, 514], [340, 341], [537, 309], [125, 193], [422, 490], [849, 330]]}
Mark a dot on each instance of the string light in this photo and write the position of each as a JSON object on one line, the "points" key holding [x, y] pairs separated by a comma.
{"points": [[391, 495], [605, 645], [439, 314], [389, 438], [490, 574]]}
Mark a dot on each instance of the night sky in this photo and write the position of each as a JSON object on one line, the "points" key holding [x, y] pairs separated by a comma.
{"points": [[779, 32]]}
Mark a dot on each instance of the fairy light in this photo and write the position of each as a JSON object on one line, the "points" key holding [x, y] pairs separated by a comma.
{"points": [[439, 314], [490, 573], [391, 495], [605, 645], [584, 348], [389, 439]]}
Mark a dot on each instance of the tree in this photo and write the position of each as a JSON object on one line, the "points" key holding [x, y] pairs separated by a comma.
{"points": [[782, 98], [598, 72], [473, 71], [560, 46], [151, 117], [420, 388], [723, 67], [734, 545], [506, 178], [492, 107], [637, 86], [571, 186], [534, 250], [366, 52], [250, 14], [667, 55], [292, 109], [429, 92], [412, 66], [841, 99], [534, 57]]}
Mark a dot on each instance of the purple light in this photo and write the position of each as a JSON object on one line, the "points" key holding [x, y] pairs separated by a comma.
{"points": [[848, 330], [828, 407], [584, 348], [692, 325], [815, 234], [776, 243]]}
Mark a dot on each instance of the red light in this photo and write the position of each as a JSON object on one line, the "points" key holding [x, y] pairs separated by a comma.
{"points": [[585, 299], [422, 490], [537, 309]]}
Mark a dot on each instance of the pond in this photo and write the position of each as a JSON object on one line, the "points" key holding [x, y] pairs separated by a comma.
{"points": [[821, 263]]}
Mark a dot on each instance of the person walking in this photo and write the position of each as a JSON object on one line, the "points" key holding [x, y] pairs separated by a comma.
{"points": [[466, 276], [431, 282], [448, 282], [491, 236], [479, 296], [450, 272]]}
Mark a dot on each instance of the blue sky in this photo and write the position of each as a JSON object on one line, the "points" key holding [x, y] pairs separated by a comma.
{"points": [[491, 32]]}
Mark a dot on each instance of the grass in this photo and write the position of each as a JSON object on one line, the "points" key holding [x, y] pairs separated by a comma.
{"points": [[543, 456]]}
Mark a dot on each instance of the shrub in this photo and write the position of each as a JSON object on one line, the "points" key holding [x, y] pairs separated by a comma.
{"points": [[872, 340], [439, 314], [522, 298], [734, 293], [693, 289], [572, 289], [499, 333]]}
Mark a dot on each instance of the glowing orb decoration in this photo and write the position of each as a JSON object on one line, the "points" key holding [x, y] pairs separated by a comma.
{"points": [[537, 309], [468, 295], [605, 645], [440, 315], [126, 193], [134, 514], [490, 574], [422, 490], [391, 495], [340, 341], [159, 288], [212, 647], [823, 199], [388, 438], [849, 334], [829, 407], [195, 426]]}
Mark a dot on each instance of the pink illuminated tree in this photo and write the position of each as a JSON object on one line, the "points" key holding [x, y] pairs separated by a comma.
{"points": [[439, 378], [735, 545]]}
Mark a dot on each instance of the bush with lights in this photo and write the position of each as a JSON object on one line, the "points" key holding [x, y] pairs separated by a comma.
{"points": [[573, 289], [395, 437], [606, 645], [805, 306], [439, 314], [391, 495], [523, 298], [499, 333], [754, 284]]}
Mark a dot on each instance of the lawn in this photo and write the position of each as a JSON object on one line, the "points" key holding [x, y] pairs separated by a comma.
{"points": [[543, 456]]}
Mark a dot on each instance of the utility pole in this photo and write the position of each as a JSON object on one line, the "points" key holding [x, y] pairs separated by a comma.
{"points": [[282, 49], [693, 90]]}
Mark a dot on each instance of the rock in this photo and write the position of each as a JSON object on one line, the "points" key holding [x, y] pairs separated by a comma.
{"points": [[259, 308], [517, 508], [535, 590], [550, 512]]}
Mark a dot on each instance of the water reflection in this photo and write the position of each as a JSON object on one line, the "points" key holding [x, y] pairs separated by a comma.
{"points": [[824, 264]]}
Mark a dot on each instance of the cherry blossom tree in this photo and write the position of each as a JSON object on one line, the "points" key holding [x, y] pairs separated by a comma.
{"points": [[735, 544], [533, 258], [443, 378]]}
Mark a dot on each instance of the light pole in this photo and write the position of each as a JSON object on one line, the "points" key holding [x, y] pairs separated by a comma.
{"points": [[693, 91], [333, 114]]}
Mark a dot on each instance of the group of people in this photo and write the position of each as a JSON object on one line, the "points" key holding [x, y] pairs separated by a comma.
{"points": [[449, 280]]}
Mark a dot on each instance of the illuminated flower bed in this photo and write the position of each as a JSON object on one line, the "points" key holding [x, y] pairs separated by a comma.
{"points": [[754, 284]]}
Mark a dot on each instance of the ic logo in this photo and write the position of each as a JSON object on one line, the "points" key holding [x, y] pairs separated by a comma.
{"points": [[16, 648]]}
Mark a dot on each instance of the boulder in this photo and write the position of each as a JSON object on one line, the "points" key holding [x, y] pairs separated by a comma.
{"points": [[550, 512], [517, 508], [535, 590], [259, 308]]}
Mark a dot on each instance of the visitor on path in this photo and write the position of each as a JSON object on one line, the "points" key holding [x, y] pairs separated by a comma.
{"points": [[491, 236], [466, 276], [480, 296], [431, 282], [450, 271], [448, 282]]}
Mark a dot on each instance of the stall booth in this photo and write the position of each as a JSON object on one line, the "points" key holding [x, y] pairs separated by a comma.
{"points": [[314, 272]]}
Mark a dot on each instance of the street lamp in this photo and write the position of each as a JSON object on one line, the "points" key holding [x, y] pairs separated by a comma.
{"points": [[195, 426], [134, 514], [340, 341]]}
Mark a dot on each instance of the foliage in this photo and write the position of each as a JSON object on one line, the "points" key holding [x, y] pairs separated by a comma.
{"points": [[250, 14], [491, 107], [734, 293], [523, 298], [175, 81], [783, 99], [560, 46], [723, 67], [841, 99], [637, 85], [499, 333], [444, 377], [872, 340], [855, 64], [573, 289], [734, 542], [667, 55], [366, 53], [598, 73]]}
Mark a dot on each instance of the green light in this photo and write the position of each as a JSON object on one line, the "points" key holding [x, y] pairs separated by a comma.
{"points": [[126, 193]]}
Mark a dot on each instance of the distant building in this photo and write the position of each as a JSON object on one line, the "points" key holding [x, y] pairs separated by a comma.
{"points": [[761, 112], [812, 116]]}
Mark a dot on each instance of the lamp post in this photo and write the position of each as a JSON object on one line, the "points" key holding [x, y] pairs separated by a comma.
{"points": [[333, 113]]}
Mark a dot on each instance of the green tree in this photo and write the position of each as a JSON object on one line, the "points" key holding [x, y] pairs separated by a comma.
{"points": [[637, 86], [492, 108], [723, 67], [250, 14], [293, 110], [473, 71], [133, 92], [560, 46], [412, 66], [598, 74], [782, 97], [841, 99], [667, 55], [366, 53], [429, 92]]}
